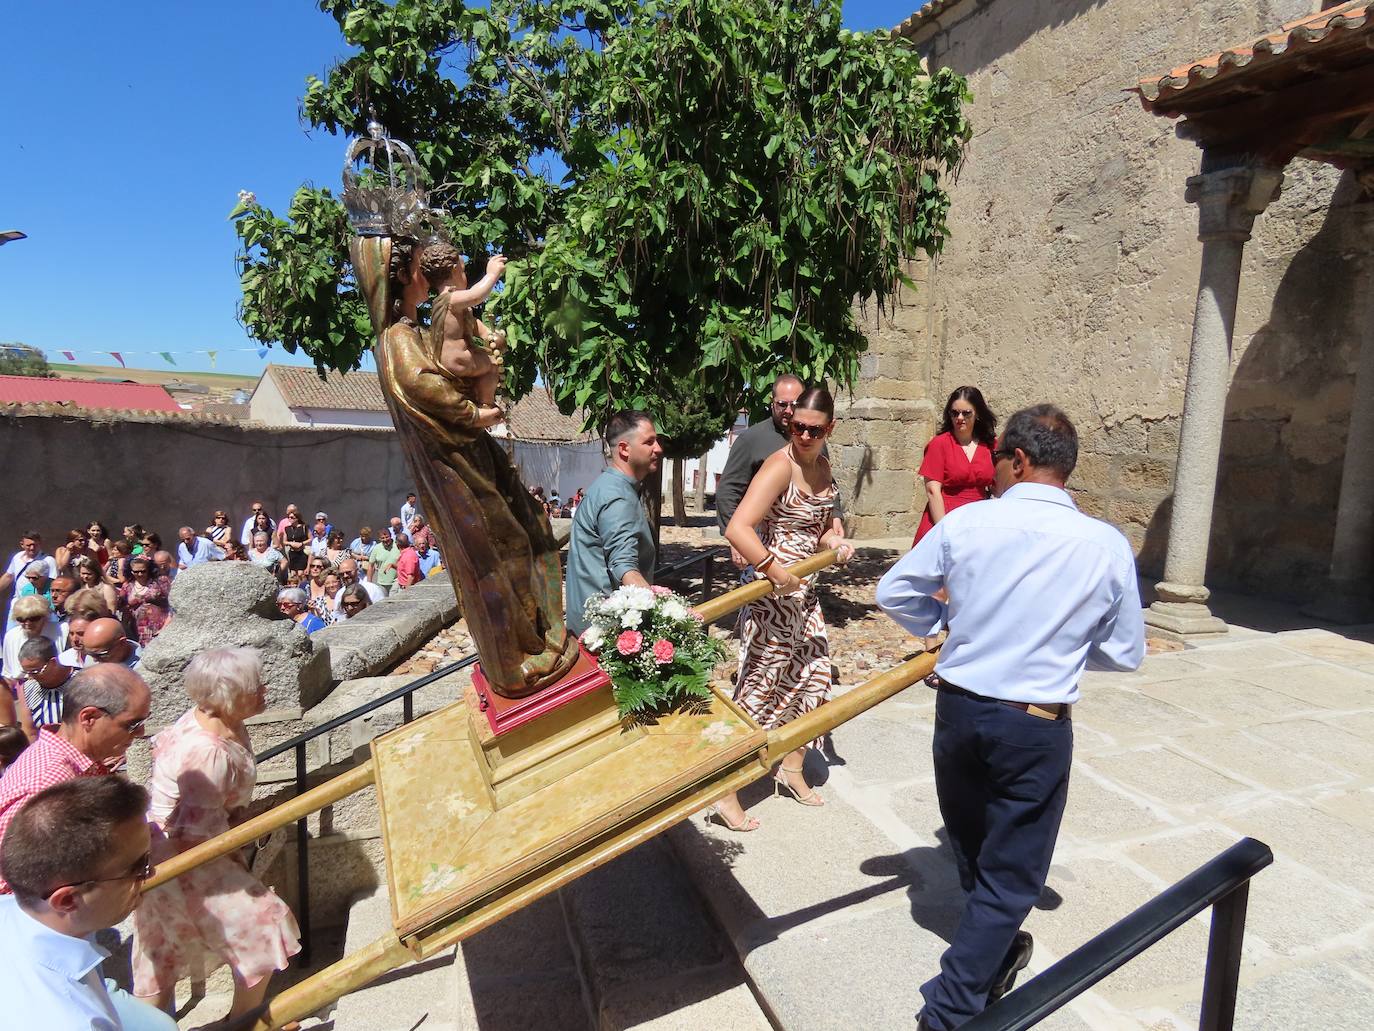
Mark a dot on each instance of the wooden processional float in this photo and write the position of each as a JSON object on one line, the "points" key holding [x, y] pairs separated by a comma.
{"points": [[531, 779]]}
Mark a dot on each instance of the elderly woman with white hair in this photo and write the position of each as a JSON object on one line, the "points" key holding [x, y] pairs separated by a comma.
{"points": [[294, 604], [218, 913], [33, 618]]}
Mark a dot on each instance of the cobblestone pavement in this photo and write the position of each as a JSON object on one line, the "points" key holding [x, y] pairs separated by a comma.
{"points": [[840, 913]]}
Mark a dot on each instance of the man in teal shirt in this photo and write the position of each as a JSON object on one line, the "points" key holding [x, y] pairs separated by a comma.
{"points": [[612, 544]]}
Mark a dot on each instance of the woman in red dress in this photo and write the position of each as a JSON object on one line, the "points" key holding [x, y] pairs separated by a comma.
{"points": [[957, 466]]}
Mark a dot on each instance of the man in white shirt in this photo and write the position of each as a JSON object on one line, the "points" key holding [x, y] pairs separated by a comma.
{"points": [[76, 855], [194, 550], [348, 573], [246, 534], [30, 550], [409, 510], [1032, 591]]}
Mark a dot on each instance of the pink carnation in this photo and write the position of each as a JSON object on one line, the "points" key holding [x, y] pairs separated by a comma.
{"points": [[660, 591], [629, 642], [663, 651]]}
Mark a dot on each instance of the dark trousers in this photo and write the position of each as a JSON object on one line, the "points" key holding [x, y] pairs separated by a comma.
{"points": [[1002, 777]]}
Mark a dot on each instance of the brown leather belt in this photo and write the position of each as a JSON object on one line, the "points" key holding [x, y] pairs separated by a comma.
{"points": [[1048, 711]]}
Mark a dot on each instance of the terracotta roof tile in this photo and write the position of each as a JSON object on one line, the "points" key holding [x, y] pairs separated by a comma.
{"points": [[84, 393], [536, 417], [301, 387], [931, 9], [1311, 33]]}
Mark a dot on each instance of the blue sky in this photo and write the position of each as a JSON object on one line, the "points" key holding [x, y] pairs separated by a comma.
{"points": [[130, 129]]}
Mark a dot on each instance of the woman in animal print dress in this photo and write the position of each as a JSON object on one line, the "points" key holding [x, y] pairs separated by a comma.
{"points": [[784, 668]]}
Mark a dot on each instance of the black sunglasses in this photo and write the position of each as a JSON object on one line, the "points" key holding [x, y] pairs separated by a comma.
{"points": [[1001, 453], [814, 432], [140, 871]]}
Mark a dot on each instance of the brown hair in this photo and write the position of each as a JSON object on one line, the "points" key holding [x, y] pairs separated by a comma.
{"points": [[12, 740], [65, 833], [817, 399], [438, 260]]}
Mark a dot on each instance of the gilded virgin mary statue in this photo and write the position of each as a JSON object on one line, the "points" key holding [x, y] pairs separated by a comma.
{"points": [[497, 544]]}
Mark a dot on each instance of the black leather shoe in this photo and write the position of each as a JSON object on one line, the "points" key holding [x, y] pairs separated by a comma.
{"points": [[1018, 956]]}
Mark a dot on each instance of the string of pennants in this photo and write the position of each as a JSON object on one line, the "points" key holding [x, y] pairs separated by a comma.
{"points": [[167, 356]]}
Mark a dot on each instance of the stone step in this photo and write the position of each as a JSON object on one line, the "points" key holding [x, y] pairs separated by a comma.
{"points": [[629, 945]]}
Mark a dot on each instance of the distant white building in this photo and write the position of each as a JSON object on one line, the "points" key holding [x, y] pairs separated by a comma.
{"points": [[550, 449], [295, 395]]}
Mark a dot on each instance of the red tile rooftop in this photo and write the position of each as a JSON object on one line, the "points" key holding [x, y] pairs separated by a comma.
{"points": [[82, 393]]}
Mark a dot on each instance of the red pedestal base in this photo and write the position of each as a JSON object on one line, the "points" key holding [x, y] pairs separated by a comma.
{"points": [[505, 714]]}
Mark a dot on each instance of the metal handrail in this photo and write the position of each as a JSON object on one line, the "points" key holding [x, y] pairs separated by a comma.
{"points": [[1223, 883], [405, 693]]}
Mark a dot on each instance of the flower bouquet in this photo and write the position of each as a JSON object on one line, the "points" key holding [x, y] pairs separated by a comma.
{"points": [[654, 647]]}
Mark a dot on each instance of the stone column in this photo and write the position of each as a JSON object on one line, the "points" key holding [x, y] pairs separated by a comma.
{"points": [[1345, 596], [1228, 200]]}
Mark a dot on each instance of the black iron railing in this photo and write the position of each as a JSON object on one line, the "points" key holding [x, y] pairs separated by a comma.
{"points": [[406, 695], [1223, 883]]}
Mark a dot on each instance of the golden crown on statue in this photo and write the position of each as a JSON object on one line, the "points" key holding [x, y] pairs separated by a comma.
{"points": [[384, 189]]}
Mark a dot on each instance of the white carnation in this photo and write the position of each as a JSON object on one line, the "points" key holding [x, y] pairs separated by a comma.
{"points": [[593, 638], [631, 619], [673, 608], [640, 598]]}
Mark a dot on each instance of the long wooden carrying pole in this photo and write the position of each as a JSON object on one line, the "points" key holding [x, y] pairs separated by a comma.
{"points": [[250, 830], [361, 776]]}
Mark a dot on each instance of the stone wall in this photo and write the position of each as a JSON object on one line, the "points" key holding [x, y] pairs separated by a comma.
{"points": [[1070, 276], [63, 470]]}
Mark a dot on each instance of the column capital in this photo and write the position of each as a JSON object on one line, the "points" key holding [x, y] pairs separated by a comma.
{"points": [[1228, 199]]}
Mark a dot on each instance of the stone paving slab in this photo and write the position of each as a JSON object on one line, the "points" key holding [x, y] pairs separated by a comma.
{"points": [[840, 913]]}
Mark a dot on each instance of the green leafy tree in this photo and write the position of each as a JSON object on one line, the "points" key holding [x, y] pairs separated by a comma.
{"points": [[693, 192], [23, 360]]}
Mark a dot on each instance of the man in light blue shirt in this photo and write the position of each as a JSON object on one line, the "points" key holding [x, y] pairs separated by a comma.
{"points": [[193, 549], [612, 543], [1032, 592], [76, 856]]}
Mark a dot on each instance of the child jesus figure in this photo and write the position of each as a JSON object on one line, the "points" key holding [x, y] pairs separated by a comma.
{"points": [[470, 350]]}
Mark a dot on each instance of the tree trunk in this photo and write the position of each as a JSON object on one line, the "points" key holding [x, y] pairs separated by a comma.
{"points": [[701, 482], [653, 501], [679, 492]]}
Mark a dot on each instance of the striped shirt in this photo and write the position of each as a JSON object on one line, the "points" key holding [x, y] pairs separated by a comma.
{"points": [[45, 704]]}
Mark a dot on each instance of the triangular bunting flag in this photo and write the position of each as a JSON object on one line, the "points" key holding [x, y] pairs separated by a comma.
{"points": [[262, 352], [119, 358], [212, 357], [69, 356], [167, 357]]}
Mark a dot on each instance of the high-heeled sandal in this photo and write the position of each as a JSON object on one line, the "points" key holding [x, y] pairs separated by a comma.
{"points": [[749, 823], [779, 782]]}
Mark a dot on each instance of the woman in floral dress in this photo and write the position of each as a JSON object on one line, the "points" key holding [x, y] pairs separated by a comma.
{"points": [[144, 598], [218, 913], [784, 668]]}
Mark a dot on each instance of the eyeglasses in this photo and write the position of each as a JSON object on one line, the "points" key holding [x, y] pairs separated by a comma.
{"points": [[318, 565], [35, 578], [104, 653], [352, 604], [256, 511], [813, 432], [1002, 453], [957, 413], [135, 728], [29, 619], [140, 871], [784, 404], [34, 674]]}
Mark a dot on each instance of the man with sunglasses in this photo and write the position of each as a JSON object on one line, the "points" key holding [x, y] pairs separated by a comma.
{"points": [[106, 642], [77, 856], [1032, 592], [44, 679], [752, 447], [104, 711]]}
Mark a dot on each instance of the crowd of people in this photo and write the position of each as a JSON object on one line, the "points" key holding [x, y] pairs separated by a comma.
{"points": [[1028, 592], [130, 577]]}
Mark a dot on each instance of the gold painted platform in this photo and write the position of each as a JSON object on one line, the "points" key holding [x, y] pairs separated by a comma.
{"points": [[454, 836]]}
